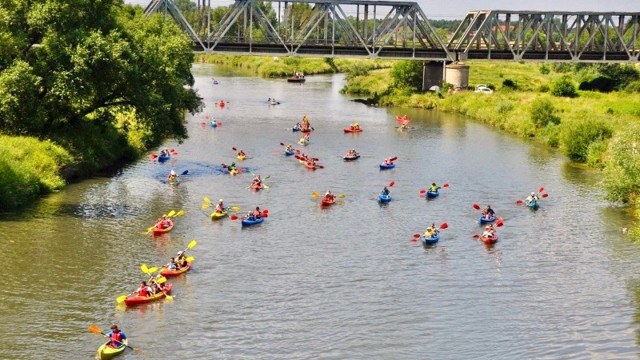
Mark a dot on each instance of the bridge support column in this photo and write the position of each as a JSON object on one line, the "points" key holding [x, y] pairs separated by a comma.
{"points": [[431, 74]]}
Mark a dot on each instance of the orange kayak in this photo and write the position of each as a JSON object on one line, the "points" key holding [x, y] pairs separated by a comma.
{"points": [[160, 231], [169, 273]]}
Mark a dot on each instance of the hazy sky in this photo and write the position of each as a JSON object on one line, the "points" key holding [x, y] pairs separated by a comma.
{"points": [[458, 8]]}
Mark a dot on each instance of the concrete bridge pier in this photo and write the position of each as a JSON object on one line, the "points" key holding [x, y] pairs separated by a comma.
{"points": [[432, 74]]}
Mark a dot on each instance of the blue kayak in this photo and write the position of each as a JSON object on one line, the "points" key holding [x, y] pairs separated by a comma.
{"points": [[384, 198], [215, 82], [484, 220], [532, 205], [295, 128], [214, 124], [248, 222], [289, 153], [430, 241], [163, 158], [432, 194], [390, 166]]}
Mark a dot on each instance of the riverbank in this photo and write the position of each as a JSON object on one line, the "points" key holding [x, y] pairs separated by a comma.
{"points": [[598, 129], [275, 67]]}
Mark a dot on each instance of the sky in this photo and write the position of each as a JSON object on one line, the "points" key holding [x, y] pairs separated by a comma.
{"points": [[456, 9]]}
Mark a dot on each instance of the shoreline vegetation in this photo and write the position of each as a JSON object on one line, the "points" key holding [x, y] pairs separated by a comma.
{"points": [[589, 112], [81, 95]]}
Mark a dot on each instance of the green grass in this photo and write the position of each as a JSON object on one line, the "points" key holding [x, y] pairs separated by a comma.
{"points": [[29, 167]]}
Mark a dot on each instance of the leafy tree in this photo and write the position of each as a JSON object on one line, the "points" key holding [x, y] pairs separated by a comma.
{"points": [[564, 87], [407, 74], [542, 113]]}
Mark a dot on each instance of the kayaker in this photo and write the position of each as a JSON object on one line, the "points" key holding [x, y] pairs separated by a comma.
{"points": [[385, 191], [488, 212], [182, 259], [329, 195], [144, 289], [289, 148], [173, 265], [257, 180], [532, 198], [431, 231], [164, 152], [233, 166], [434, 187], [172, 175], [489, 231], [116, 336], [250, 216], [241, 153], [256, 213], [387, 162], [220, 207], [155, 287]]}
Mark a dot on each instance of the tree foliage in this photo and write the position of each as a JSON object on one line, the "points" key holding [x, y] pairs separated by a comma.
{"points": [[542, 113], [407, 74], [564, 87]]}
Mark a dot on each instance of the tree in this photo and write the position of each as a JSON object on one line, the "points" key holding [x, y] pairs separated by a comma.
{"points": [[542, 113], [407, 74], [564, 87]]}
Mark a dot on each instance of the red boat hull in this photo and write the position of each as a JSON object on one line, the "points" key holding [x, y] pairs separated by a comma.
{"points": [[137, 300]]}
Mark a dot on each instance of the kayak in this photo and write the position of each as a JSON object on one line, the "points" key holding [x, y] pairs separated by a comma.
{"points": [[484, 220], [257, 187], [106, 352], [430, 241], [289, 153], [160, 231], [295, 128], [352, 130], [136, 299], [233, 172], [216, 215], [303, 142], [247, 222], [432, 194], [532, 205], [310, 166], [351, 158], [214, 124], [163, 158], [384, 198], [306, 130], [327, 202], [242, 157], [215, 82], [389, 166], [169, 273], [490, 239]]}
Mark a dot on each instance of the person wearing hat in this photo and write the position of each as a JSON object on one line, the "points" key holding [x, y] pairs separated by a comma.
{"points": [[533, 198], [116, 336], [220, 207], [172, 175], [182, 259], [431, 231]]}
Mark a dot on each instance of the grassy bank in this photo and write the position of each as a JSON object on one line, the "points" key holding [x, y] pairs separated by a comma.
{"points": [[596, 128], [273, 67]]}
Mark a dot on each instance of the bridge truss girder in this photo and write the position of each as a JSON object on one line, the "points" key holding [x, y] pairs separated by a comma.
{"points": [[548, 36], [324, 31]]}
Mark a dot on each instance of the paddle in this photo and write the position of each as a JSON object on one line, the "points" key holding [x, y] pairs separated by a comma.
{"points": [[96, 330], [392, 183], [315, 194], [476, 206], [499, 222], [234, 149], [185, 172], [171, 213], [281, 144], [179, 213]]}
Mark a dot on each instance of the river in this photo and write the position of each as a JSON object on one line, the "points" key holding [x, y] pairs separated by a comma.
{"points": [[339, 283]]}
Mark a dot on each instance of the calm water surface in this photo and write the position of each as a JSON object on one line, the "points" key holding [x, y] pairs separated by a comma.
{"points": [[337, 283]]}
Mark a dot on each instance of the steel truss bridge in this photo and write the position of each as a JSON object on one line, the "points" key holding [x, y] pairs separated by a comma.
{"points": [[401, 30]]}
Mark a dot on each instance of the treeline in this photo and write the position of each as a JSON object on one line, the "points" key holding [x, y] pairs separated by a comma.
{"points": [[95, 81]]}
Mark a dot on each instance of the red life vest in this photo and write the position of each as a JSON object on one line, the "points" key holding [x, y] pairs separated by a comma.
{"points": [[142, 291], [116, 339]]}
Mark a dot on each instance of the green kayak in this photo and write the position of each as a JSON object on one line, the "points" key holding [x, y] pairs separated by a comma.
{"points": [[107, 352]]}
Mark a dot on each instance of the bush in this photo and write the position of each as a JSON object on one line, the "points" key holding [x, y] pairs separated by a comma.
{"points": [[621, 75], [622, 170], [407, 74], [544, 88], [544, 69], [505, 106], [561, 67], [601, 83], [542, 113], [633, 87], [577, 136], [509, 84], [563, 87], [357, 70]]}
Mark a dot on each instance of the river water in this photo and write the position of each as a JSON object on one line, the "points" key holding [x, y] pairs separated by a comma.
{"points": [[339, 283]]}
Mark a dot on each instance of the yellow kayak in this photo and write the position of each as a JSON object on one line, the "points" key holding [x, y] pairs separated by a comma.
{"points": [[233, 172], [107, 352], [216, 215], [242, 157]]}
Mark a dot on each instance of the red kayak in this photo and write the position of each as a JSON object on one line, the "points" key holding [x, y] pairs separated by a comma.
{"points": [[310, 165], [169, 273], [328, 202], [490, 239], [137, 299], [351, 129], [256, 187], [159, 230]]}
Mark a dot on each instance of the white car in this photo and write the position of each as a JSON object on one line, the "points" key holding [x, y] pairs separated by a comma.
{"points": [[483, 89]]}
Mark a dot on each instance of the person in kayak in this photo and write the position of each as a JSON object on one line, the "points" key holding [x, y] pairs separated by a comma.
{"points": [[355, 126], [434, 187], [241, 153], [172, 175], [164, 152], [289, 148], [352, 153], [155, 287], [488, 212], [172, 265], [233, 166], [533, 198], [257, 181], [431, 231], [329, 196], [385, 191], [116, 336], [144, 289], [387, 162], [489, 231], [220, 207], [182, 259]]}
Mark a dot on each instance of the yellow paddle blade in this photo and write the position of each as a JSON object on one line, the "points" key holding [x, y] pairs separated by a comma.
{"points": [[191, 244], [144, 268], [205, 206], [164, 215], [153, 269], [190, 259], [169, 297], [180, 213], [161, 280], [235, 208], [315, 194], [171, 213], [121, 298], [341, 196], [94, 329], [206, 199], [266, 186], [149, 230]]}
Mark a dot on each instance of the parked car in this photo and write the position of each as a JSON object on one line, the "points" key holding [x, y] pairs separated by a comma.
{"points": [[483, 89]]}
